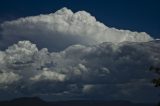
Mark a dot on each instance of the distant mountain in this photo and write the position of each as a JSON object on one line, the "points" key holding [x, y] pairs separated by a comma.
{"points": [[99, 103], [25, 101], [35, 101]]}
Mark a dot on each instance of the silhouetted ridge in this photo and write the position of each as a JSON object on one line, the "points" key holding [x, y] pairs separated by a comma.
{"points": [[35, 101], [24, 101]]}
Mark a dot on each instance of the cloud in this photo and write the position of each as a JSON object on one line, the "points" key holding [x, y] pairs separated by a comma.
{"points": [[72, 55], [49, 75], [8, 78], [99, 71], [63, 28]]}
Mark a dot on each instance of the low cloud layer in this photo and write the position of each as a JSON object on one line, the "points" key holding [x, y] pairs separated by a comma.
{"points": [[104, 71], [63, 28]]}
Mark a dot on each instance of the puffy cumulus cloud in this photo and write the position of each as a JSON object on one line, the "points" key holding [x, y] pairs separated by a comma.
{"points": [[49, 75], [100, 71], [8, 78], [23, 50], [58, 30]]}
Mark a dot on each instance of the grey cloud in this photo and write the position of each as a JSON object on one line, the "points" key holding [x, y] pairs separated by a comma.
{"points": [[101, 71]]}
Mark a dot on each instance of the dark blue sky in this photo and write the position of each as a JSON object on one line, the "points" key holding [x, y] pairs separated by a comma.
{"points": [[135, 15]]}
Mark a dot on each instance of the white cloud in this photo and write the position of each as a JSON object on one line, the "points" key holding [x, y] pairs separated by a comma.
{"points": [[49, 75], [58, 30], [23, 50], [8, 78]]}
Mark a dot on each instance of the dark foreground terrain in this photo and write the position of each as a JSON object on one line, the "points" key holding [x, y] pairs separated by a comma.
{"points": [[34, 101]]}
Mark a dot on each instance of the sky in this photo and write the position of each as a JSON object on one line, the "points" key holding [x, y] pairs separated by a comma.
{"points": [[79, 50], [136, 15]]}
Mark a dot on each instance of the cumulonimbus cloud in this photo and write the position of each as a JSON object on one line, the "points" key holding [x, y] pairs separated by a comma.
{"points": [[72, 55], [58, 30]]}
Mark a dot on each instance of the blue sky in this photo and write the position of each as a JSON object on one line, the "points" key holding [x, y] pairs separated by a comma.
{"points": [[136, 15]]}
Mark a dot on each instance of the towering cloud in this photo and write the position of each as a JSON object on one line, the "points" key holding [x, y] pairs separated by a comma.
{"points": [[58, 30], [71, 55]]}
